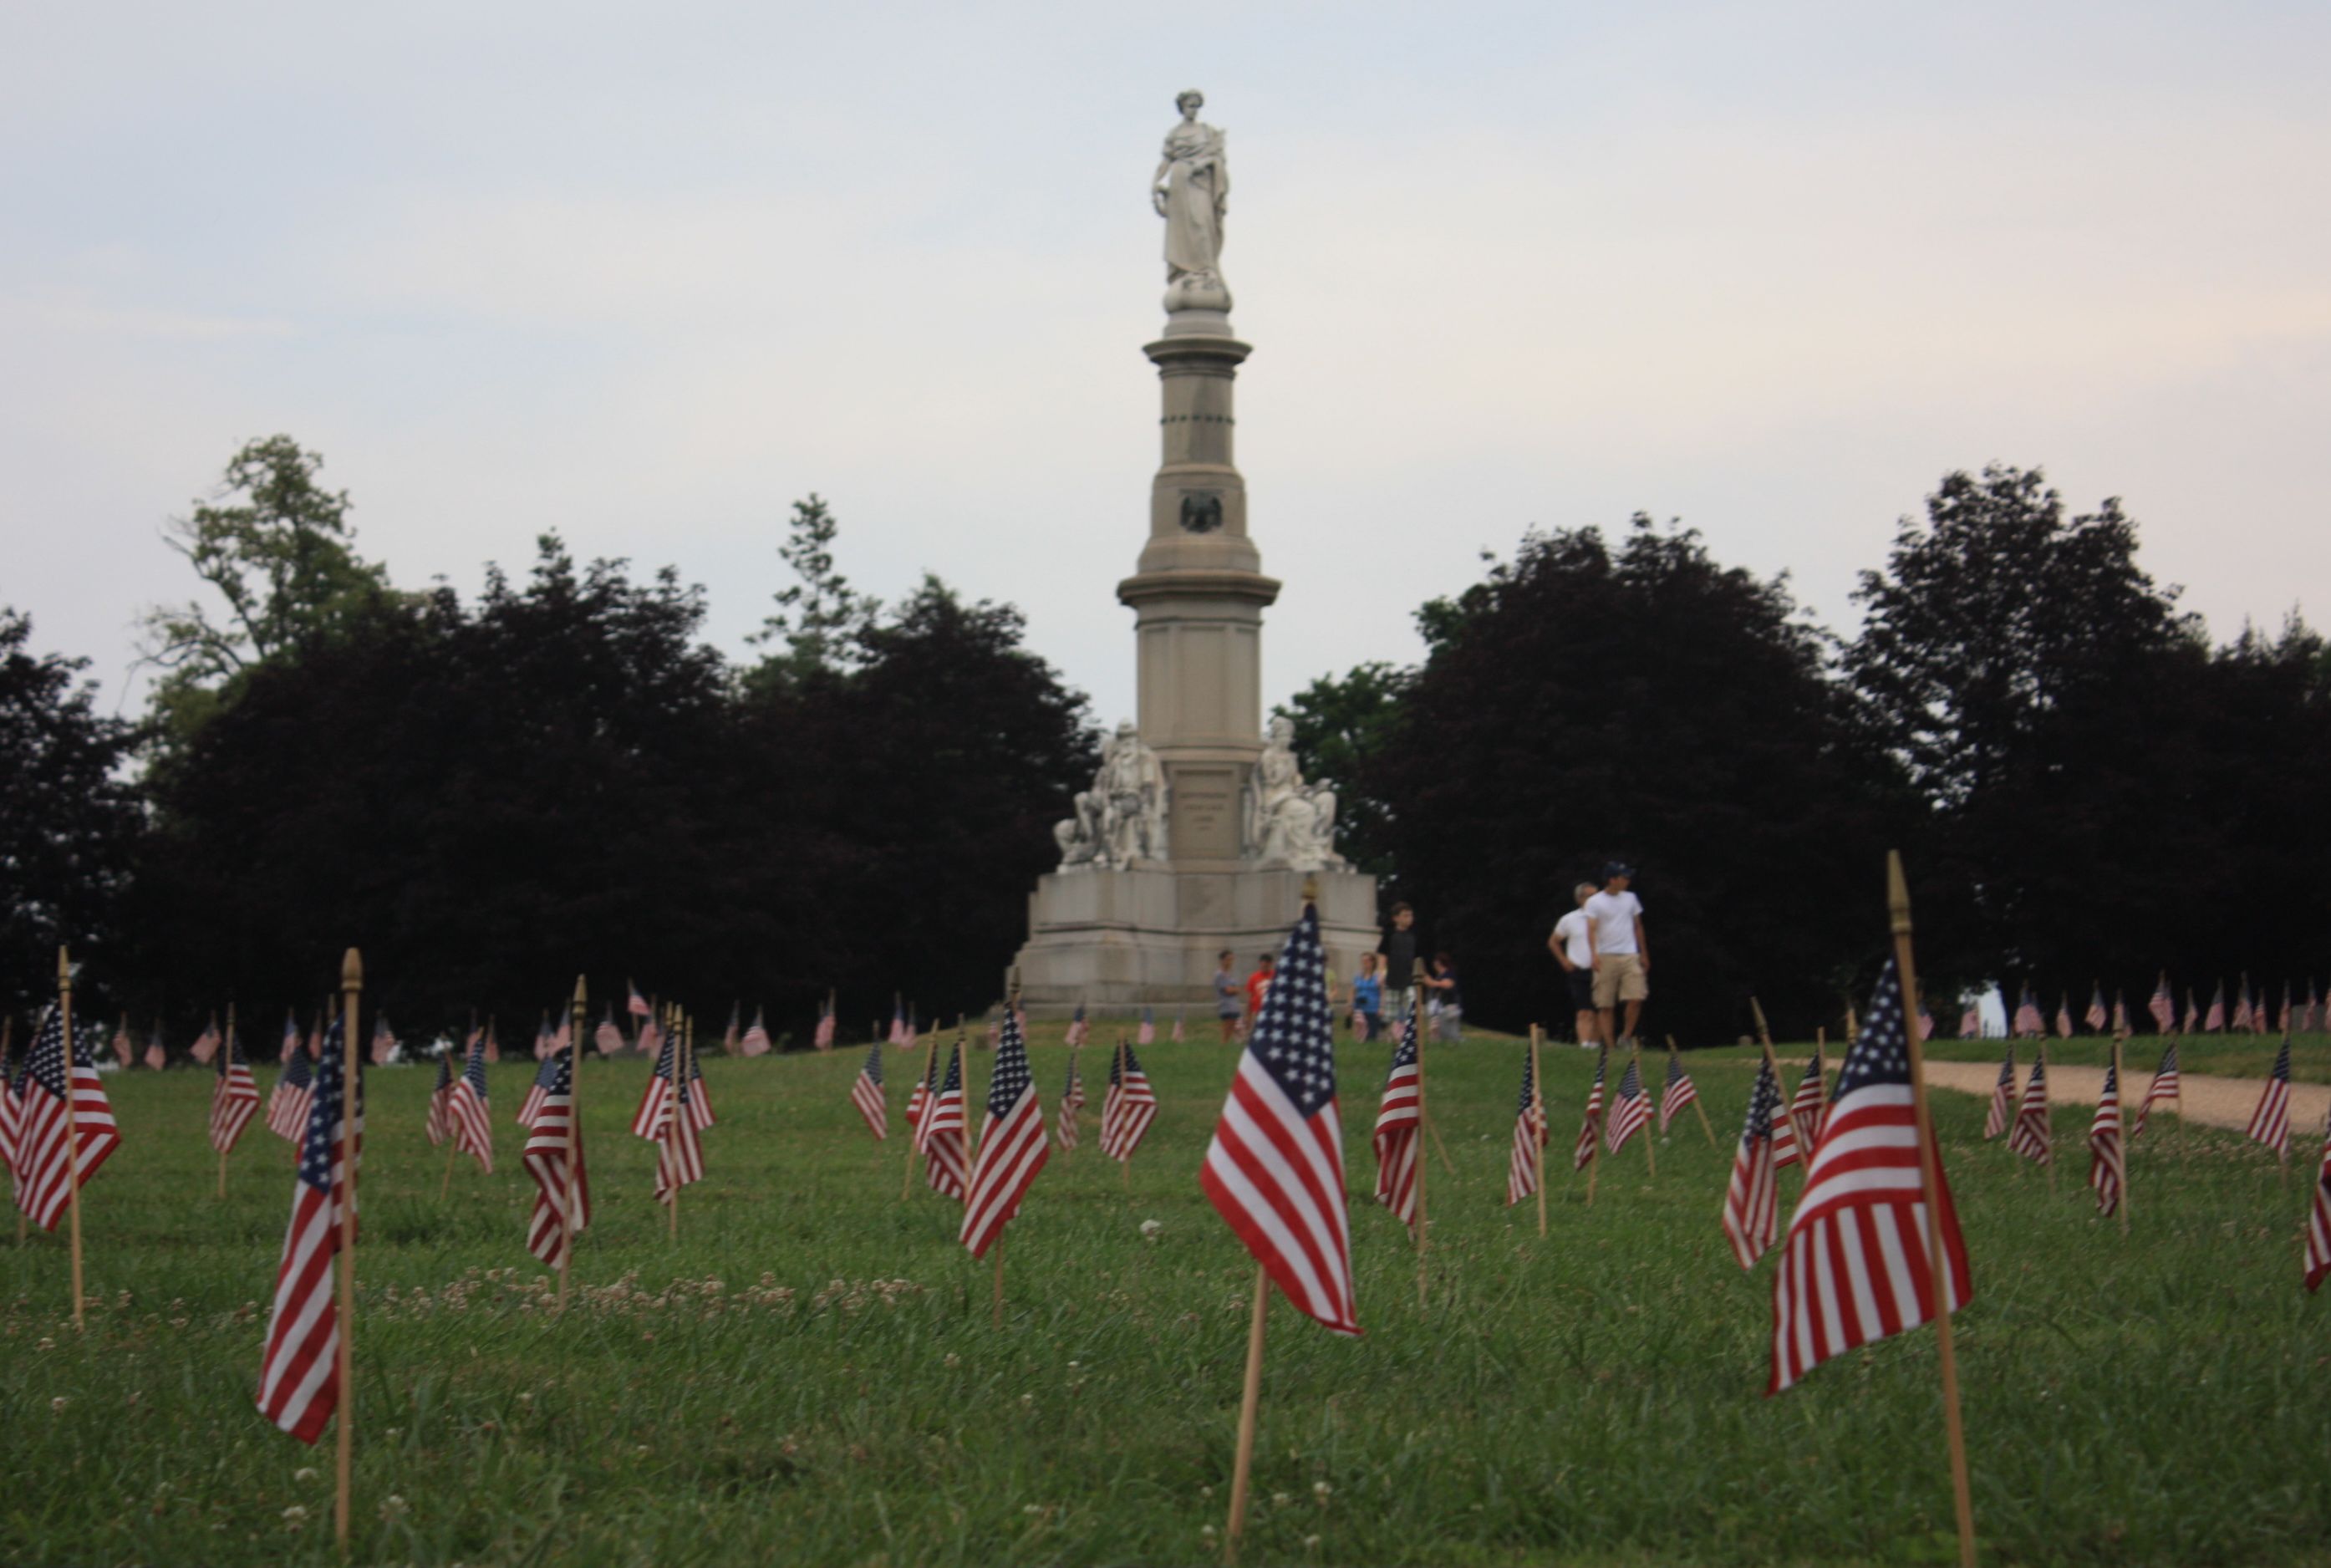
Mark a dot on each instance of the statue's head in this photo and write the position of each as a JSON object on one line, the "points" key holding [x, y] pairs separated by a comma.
{"points": [[1189, 102], [1125, 730], [1281, 730]]}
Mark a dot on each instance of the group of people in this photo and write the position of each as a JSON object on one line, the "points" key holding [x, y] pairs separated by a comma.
{"points": [[1601, 946], [1387, 978]]}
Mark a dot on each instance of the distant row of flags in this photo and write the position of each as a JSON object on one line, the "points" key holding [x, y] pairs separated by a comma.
{"points": [[2247, 1014]]}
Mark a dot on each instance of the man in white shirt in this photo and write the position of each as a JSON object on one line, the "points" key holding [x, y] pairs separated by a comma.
{"points": [[1573, 946], [1622, 956]]}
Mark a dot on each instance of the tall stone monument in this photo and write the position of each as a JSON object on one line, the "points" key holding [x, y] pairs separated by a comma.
{"points": [[1199, 829]]}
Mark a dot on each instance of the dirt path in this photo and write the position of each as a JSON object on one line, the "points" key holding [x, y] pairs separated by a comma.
{"points": [[2216, 1102]]}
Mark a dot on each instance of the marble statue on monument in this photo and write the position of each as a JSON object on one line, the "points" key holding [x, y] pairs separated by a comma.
{"points": [[1190, 191], [1288, 822], [1200, 832], [1122, 818]]}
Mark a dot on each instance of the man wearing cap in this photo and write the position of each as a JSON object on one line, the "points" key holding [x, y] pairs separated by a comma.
{"points": [[1621, 957]]}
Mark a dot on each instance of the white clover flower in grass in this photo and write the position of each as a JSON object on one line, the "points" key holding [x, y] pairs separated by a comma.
{"points": [[305, 1473], [392, 1509], [58, 1402], [1323, 1491], [1150, 1228], [295, 1517]]}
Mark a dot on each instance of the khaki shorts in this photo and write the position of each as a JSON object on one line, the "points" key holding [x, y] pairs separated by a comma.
{"points": [[1619, 977]]}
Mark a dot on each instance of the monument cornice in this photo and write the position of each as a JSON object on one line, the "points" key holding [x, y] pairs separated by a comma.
{"points": [[1212, 582]]}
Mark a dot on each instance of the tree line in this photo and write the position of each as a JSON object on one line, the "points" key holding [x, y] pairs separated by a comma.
{"points": [[2085, 788], [558, 773]]}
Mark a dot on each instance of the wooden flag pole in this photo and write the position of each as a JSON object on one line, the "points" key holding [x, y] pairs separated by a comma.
{"points": [[226, 1059], [2121, 1084], [1898, 898], [1422, 1242], [2052, 1115], [1074, 1054], [1704, 1127], [1538, 1104], [1765, 1040], [351, 1097], [573, 1140], [1643, 1087], [1247, 1400], [72, 1127]]}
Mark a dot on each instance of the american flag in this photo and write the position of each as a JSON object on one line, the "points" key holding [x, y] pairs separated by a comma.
{"points": [[44, 1156], [542, 1038], [530, 1106], [2163, 1087], [2313, 1019], [1079, 1030], [298, 1372], [123, 1047], [1177, 1025], [655, 1097], [822, 1039], [1530, 1135], [12, 1101], [699, 1098], [1799, 1130], [2243, 1017], [899, 1023], [680, 1153], [234, 1098], [2003, 1096], [1147, 1033], [728, 1044], [1274, 1169], [157, 1058], [556, 1201], [1012, 1146], [291, 1049], [2163, 1006], [2064, 1015], [2096, 1016], [1679, 1090], [384, 1041], [2270, 1121], [437, 1128], [1752, 1203], [473, 1133], [493, 1043], [2120, 1014], [1072, 1101], [288, 1102], [2282, 1022], [2027, 1014], [2032, 1137], [1857, 1265], [1631, 1110], [1128, 1106], [607, 1039], [2318, 1221], [866, 1093], [914, 1035], [2193, 1014], [2108, 1163], [2216, 1020], [1590, 1127], [920, 1098], [206, 1044], [1397, 1128], [941, 1134], [757, 1041], [638, 1005]]}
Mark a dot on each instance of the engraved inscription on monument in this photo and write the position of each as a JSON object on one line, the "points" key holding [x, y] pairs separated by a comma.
{"points": [[1205, 813]]}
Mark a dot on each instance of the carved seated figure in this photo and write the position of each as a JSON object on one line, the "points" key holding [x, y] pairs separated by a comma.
{"points": [[1122, 818], [1291, 821]]}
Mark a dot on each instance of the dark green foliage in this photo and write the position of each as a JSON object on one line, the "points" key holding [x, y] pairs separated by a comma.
{"points": [[1584, 702], [70, 827], [1340, 724]]}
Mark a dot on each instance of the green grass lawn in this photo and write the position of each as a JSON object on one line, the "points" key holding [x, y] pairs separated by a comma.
{"points": [[810, 1377]]}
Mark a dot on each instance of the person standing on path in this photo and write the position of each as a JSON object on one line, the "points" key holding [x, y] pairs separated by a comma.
{"points": [[1227, 1003], [1400, 961], [1573, 946], [1622, 956]]}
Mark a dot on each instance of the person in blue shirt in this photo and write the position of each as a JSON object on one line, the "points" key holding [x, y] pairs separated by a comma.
{"points": [[1367, 997]]}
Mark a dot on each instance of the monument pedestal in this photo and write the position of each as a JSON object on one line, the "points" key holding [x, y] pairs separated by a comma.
{"points": [[1147, 935]]}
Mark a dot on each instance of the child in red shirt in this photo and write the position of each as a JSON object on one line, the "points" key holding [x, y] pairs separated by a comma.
{"points": [[1257, 984]]}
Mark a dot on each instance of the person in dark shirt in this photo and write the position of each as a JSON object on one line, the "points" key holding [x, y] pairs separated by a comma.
{"points": [[1399, 952]]}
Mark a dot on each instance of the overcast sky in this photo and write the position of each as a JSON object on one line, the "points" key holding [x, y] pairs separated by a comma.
{"points": [[647, 274]]}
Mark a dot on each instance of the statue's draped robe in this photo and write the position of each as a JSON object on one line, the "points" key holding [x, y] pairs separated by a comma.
{"points": [[1193, 179]]}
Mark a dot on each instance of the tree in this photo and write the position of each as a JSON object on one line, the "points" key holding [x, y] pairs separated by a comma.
{"points": [[1340, 724], [2010, 656], [69, 827], [819, 617], [283, 558], [1585, 702]]}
